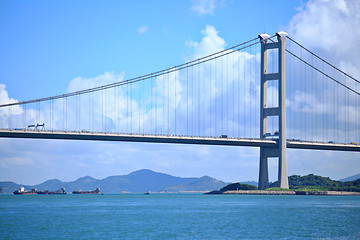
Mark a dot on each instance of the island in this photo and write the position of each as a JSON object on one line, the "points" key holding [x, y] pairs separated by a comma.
{"points": [[298, 185]]}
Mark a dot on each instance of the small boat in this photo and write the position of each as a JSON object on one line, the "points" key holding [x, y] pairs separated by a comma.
{"points": [[97, 191], [147, 193], [22, 191]]}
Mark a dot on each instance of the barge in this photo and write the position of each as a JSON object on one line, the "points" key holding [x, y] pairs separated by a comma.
{"points": [[60, 191], [97, 191]]}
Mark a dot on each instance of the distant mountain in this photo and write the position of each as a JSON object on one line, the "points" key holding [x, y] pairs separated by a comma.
{"points": [[203, 184], [50, 185], [351, 178], [136, 182], [140, 181]]}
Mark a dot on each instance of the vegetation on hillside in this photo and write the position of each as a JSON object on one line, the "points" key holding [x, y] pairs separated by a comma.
{"points": [[309, 182], [234, 187], [238, 186], [312, 182]]}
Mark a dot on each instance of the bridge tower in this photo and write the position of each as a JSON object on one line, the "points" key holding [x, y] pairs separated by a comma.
{"points": [[280, 111]]}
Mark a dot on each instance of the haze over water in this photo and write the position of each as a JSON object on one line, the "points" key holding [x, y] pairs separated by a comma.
{"points": [[179, 216]]}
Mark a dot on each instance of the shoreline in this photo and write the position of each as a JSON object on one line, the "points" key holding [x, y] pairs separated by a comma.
{"points": [[258, 192], [264, 192]]}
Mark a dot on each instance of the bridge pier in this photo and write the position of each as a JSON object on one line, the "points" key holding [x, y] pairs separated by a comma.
{"points": [[280, 111]]}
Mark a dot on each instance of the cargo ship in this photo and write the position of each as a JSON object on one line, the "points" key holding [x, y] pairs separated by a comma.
{"points": [[60, 191], [97, 191], [22, 191]]}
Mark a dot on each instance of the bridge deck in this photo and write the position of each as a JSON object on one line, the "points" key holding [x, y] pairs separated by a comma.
{"points": [[249, 142]]}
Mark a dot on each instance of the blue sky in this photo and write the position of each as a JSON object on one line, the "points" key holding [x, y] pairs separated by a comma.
{"points": [[56, 41], [47, 45]]}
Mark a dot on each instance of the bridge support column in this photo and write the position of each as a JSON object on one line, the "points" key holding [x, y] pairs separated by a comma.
{"points": [[280, 111], [263, 170]]}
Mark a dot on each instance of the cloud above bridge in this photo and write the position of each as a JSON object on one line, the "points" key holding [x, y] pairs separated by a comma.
{"points": [[209, 44], [331, 28], [204, 7], [143, 29], [4, 99]]}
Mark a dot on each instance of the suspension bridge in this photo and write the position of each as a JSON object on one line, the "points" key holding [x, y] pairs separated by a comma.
{"points": [[269, 92]]}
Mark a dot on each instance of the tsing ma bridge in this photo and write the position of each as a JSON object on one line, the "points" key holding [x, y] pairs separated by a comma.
{"points": [[269, 92]]}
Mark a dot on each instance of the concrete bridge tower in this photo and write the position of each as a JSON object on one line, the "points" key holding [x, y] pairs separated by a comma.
{"points": [[280, 111]]}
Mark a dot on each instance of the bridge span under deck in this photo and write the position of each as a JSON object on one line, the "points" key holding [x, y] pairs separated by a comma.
{"points": [[224, 141]]}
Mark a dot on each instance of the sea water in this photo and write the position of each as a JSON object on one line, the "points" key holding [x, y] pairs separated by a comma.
{"points": [[179, 216]]}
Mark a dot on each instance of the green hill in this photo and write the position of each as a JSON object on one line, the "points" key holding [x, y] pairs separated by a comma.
{"points": [[238, 186], [312, 181], [233, 187]]}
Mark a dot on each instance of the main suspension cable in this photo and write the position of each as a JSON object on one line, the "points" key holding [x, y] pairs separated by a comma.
{"points": [[323, 60], [147, 76]]}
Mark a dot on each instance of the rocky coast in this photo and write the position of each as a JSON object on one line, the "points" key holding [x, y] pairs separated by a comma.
{"points": [[274, 192]]}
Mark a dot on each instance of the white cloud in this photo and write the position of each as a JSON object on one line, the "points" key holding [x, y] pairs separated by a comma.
{"points": [[204, 7], [331, 28], [210, 43], [223, 81], [143, 29], [81, 83], [4, 99]]}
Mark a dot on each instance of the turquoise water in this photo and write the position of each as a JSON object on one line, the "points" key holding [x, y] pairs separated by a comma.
{"points": [[179, 216]]}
